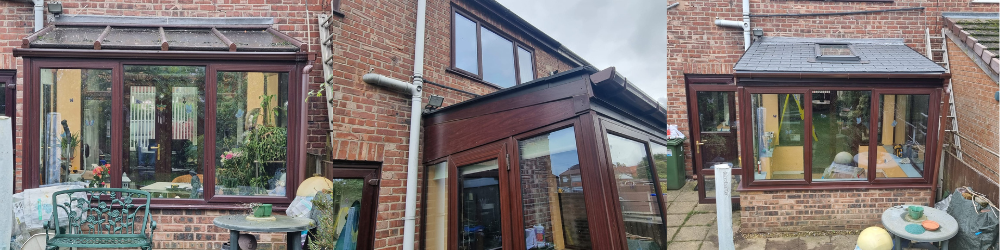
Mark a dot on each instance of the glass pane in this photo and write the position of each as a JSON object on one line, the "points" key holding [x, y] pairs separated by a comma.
{"points": [[498, 59], [72, 36], [466, 53], [525, 68], [660, 153], [258, 39], [436, 234], [479, 207], [717, 119], [75, 125], [165, 120], [778, 136], [251, 135], [902, 136], [841, 120], [119, 37], [341, 208], [710, 185], [641, 212], [194, 39], [552, 192]]}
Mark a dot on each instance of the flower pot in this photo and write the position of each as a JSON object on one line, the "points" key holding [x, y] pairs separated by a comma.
{"points": [[916, 212], [264, 210]]}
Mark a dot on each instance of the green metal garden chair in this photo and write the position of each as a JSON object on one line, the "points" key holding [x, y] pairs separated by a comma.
{"points": [[101, 218]]}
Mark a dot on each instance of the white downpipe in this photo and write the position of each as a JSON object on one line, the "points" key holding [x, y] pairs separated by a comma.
{"points": [[724, 205], [746, 25], [410, 214], [39, 13]]}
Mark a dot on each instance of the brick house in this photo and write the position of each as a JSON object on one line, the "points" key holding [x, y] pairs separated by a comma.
{"points": [[706, 48], [178, 77]]}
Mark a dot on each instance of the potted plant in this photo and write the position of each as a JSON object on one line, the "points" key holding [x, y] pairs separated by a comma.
{"points": [[245, 168]]}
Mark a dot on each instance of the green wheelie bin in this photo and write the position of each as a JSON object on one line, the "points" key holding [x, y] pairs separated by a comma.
{"points": [[675, 163]]}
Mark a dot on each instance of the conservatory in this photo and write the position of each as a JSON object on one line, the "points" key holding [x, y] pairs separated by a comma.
{"points": [[561, 162], [199, 116], [832, 131]]}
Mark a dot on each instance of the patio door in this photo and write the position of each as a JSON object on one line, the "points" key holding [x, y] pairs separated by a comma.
{"points": [[714, 131], [478, 185]]}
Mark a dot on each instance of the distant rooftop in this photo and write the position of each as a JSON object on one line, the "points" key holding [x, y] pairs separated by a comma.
{"points": [[833, 55]]}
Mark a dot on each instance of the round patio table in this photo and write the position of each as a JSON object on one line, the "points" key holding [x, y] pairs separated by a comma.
{"points": [[893, 221], [293, 228]]}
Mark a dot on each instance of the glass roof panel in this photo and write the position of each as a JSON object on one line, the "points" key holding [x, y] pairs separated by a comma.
{"points": [[68, 36], [120, 36], [195, 39], [256, 38]]}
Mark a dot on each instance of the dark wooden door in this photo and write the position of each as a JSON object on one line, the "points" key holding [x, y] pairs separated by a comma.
{"points": [[714, 135]]}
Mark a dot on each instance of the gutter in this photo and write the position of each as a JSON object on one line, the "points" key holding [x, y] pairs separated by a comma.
{"points": [[844, 75]]}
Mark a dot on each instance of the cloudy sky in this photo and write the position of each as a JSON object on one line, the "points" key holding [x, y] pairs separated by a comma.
{"points": [[629, 35]]}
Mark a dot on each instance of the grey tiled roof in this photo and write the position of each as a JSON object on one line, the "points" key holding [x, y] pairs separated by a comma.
{"points": [[797, 55]]}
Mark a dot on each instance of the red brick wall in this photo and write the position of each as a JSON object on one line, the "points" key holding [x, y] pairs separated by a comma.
{"points": [[368, 123], [697, 46], [820, 210], [977, 112]]}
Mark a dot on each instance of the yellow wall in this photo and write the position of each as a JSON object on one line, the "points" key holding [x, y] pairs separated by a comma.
{"points": [[888, 112], [68, 104], [255, 91]]}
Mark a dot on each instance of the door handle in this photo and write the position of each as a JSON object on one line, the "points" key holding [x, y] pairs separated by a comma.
{"points": [[697, 147], [156, 151]]}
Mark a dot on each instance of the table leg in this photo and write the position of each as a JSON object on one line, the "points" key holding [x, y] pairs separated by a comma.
{"points": [[294, 240], [234, 240], [944, 245], [896, 244]]}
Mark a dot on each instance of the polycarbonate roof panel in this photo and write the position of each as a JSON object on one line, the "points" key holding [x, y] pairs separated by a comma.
{"points": [[194, 39], [69, 37], [121, 36], [256, 39]]}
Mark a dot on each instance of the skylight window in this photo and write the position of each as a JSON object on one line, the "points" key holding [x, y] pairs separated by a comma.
{"points": [[836, 52]]}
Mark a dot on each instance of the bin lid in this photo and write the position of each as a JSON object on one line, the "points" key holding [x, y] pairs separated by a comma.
{"points": [[675, 141]]}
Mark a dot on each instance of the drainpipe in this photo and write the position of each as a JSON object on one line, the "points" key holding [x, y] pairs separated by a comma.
{"points": [[416, 91], [745, 24], [39, 13]]}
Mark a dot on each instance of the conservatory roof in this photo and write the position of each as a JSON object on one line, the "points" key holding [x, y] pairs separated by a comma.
{"points": [[818, 56], [167, 37]]}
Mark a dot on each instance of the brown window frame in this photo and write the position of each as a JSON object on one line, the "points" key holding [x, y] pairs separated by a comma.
{"points": [[296, 125], [611, 127], [480, 24], [371, 173], [806, 183]]}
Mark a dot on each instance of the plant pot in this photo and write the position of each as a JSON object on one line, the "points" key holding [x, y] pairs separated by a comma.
{"points": [[264, 210]]}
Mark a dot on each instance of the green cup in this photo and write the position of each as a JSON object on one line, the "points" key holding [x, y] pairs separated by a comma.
{"points": [[916, 212], [264, 210]]}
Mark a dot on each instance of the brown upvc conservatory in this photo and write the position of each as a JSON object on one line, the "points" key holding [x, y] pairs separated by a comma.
{"points": [[831, 131], [559, 162], [169, 109]]}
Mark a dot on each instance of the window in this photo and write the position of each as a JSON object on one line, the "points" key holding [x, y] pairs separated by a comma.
{"points": [[836, 53], [778, 122], [75, 139], [436, 204], [184, 136], [833, 136], [558, 211], [902, 136], [482, 53], [636, 189], [479, 209]]}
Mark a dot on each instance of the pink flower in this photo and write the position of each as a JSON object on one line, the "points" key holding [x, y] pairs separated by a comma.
{"points": [[98, 170]]}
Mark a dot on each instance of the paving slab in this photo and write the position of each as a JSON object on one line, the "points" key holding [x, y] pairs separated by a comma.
{"points": [[670, 232], [750, 244], [681, 207], [675, 220], [687, 245], [701, 219], [687, 196], [800, 243], [692, 233], [705, 208]]}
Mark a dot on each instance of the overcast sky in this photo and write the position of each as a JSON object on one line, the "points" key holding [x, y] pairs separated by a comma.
{"points": [[629, 35]]}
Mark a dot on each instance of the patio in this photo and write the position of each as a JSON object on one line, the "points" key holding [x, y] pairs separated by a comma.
{"points": [[693, 226]]}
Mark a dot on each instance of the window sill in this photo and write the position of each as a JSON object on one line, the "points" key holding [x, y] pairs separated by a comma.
{"points": [[230, 206], [471, 76]]}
